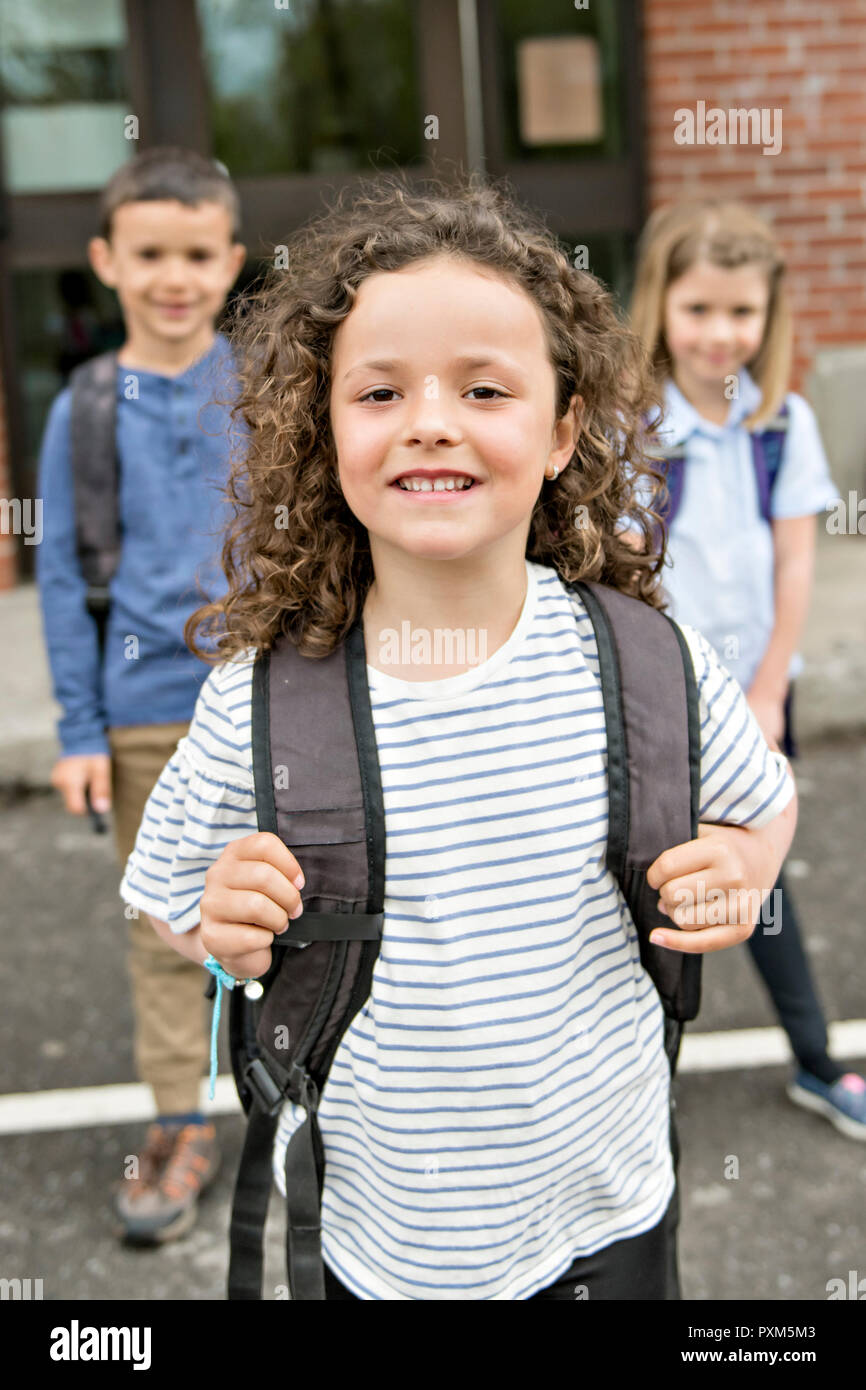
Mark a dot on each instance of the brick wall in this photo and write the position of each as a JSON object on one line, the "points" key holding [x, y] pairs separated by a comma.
{"points": [[807, 59]]}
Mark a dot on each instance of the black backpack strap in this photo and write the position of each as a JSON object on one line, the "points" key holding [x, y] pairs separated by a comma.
{"points": [[337, 997], [653, 753], [305, 1158], [305, 1175], [95, 478], [304, 1170], [254, 1179], [250, 1205]]}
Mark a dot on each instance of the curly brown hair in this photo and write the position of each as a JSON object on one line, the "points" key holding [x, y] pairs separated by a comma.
{"points": [[310, 583]]}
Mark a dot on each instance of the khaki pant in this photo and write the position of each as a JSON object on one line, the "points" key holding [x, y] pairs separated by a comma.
{"points": [[171, 1039]]}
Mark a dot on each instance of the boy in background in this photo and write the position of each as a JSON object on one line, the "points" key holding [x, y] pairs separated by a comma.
{"points": [[169, 248]]}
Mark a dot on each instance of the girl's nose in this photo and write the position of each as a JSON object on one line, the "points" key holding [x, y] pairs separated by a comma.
{"points": [[722, 329], [430, 424]]}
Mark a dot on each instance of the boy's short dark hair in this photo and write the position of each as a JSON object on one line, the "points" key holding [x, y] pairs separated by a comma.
{"points": [[169, 171]]}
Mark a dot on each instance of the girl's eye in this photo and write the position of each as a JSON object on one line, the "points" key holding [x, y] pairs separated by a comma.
{"points": [[382, 391], [379, 391]]}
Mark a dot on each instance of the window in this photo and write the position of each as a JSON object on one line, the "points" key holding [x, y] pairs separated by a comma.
{"points": [[560, 86], [311, 86], [63, 77]]}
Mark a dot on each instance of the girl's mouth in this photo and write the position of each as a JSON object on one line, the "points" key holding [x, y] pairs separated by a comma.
{"points": [[439, 489]]}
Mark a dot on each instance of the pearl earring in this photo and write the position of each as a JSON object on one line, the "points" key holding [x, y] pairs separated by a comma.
{"points": [[555, 474]]}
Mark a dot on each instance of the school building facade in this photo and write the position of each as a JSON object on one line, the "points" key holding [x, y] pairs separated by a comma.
{"points": [[596, 111]]}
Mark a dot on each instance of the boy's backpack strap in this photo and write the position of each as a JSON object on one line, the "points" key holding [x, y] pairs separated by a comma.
{"points": [[767, 446], [653, 756], [94, 467], [318, 787]]}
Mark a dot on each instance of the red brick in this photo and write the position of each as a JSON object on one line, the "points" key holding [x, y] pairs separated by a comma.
{"points": [[818, 171]]}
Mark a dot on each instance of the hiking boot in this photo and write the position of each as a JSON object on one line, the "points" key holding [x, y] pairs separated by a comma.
{"points": [[175, 1166]]}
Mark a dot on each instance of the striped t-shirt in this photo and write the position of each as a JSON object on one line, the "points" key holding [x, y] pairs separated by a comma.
{"points": [[499, 1105]]}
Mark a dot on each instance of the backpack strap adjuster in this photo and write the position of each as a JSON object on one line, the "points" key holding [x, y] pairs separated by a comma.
{"points": [[264, 1088], [300, 1080]]}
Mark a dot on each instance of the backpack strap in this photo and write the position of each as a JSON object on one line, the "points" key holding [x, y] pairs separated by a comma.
{"points": [[767, 446], [673, 466], [94, 467], [653, 757], [671, 463], [324, 799]]}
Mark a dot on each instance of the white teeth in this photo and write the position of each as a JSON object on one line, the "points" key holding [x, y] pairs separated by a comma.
{"points": [[457, 483]]}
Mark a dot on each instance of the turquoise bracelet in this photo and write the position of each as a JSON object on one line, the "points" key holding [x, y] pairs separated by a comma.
{"points": [[252, 989]]}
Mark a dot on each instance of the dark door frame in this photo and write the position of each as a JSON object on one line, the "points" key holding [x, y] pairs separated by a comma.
{"points": [[599, 194]]}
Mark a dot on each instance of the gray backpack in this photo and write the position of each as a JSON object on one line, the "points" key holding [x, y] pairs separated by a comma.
{"points": [[95, 479], [318, 787]]}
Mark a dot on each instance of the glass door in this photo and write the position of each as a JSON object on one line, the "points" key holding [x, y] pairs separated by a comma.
{"points": [[561, 117]]}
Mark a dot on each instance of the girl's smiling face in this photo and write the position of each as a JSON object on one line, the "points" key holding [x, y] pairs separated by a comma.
{"points": [[442, 367], [714, 320]]}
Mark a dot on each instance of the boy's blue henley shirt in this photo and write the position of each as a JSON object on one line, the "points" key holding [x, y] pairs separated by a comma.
{"points": [[174, 436]]}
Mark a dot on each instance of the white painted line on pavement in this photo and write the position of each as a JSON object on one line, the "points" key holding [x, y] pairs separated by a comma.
{"points": [[78, 1107], [761, 1047]]}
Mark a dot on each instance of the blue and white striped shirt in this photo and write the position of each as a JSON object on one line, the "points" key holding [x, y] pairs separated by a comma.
{"points": [[499, 1106]]}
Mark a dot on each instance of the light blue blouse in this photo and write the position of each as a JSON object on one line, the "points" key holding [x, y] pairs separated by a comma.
{"points": [[719, 570]]}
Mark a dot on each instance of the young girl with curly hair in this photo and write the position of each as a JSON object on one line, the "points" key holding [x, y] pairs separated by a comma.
{"points": [[444, 427]]}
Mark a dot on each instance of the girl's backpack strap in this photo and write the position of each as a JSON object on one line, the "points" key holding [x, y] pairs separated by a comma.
{"points": [[767, 446], [653, 754], [318, 787], [673, 465]]}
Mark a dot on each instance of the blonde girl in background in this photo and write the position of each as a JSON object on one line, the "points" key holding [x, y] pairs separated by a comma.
{"points": [[711, 307], [515, 1034]]}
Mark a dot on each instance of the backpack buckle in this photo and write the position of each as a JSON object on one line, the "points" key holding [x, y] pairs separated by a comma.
{"points": [[300, 1079], [264, 1088], [98, 598]]}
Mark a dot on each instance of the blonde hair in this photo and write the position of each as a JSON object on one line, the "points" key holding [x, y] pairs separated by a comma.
{"points": [[725, 234]]}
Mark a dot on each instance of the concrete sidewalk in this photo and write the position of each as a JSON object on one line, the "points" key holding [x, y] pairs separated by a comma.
{"points": [[831, 693]]}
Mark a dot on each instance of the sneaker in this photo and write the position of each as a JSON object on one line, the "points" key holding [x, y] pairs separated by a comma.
{"points": [[843, 1103], [175, 1166]]}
